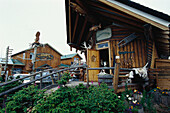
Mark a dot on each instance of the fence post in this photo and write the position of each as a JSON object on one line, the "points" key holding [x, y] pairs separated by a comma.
{"points": [[87, 74], [52, 78], [116, 77], [59, 73], [41, 80]]}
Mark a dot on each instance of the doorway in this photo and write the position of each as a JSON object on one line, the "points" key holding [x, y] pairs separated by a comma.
{"points": [[104, 59]]}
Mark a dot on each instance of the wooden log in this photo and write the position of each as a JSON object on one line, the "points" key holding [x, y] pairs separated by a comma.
{"points": [[41, 80], [87, 76], [52, 78], [116, 77]]}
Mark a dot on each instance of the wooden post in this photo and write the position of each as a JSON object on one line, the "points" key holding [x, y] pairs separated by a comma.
{"points": [[41, 80], [116, 77], [87, 77], [52, 78], [59, 75]]}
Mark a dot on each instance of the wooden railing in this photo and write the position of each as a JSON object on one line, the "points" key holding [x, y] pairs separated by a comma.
{"points": [[162, 77], [56, 71], [117, 74], [51, 72]]}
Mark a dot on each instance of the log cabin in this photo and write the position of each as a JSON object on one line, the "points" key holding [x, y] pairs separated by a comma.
{"points": [[119, 31], [70, 59], [46, 57], [13, 66]]}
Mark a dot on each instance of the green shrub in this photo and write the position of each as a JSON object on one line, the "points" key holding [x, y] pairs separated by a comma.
{"points": [[81, 100]]}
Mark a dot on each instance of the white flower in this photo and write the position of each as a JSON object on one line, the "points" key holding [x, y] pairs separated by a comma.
{"points": [[127, 95], [134, 101], [141, 96], [129, 98], [118, 96]]}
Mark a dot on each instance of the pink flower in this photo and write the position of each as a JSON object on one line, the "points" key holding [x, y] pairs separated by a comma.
{"points": [[58, 87], [92, 82], [99, 83]]}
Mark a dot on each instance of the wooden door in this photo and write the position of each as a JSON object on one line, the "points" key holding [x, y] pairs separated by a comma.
{"points": [[93, 62]]}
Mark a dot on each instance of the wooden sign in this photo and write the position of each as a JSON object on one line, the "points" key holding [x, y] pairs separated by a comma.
{"points": [[45, 56], [104, 34]]}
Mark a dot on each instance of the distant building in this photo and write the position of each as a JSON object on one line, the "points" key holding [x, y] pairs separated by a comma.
{"points": [[14, 66], [70, 59], [46, 57]]}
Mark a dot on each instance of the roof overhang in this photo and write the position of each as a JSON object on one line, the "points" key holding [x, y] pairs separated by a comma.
{"points": [[148, 18]]}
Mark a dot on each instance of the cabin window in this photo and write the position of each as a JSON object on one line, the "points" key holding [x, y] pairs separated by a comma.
{"points": [[102, 45], [16, 71], [23, 55], [31, 56]]}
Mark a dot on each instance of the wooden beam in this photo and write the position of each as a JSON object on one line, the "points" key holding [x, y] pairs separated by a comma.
{"points": [[69, 21], [75, 26], [114, 16], [122, 14], [134, 14], [116, 77], [82, 31], [88, 36]]}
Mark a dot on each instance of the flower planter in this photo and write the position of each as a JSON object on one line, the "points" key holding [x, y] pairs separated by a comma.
{"points": [[106, 78]]}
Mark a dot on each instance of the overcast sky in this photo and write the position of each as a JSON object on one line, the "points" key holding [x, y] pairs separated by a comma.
{"points": [[21, 19]]}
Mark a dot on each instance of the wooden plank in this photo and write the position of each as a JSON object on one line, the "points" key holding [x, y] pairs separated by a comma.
{"points": [[116, 77], [136, 54], [75, 26], [118, 18], [111, 49], [140, 53], [129, 55], [127, 17], [82, 31], [110, 55], [143, 52], [132, 54], [70, 20], [164, 83], [135, 15], [126, 57], [93, 62]]}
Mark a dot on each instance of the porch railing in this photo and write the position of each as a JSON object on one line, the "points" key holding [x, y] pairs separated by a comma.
{"points": [[51, 73]]}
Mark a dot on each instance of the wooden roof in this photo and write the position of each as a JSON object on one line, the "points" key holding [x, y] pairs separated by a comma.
{"points": [[69, 56], [39, 46], [81, 15]]}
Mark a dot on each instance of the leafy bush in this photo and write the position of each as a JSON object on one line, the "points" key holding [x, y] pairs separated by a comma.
{"points": [[24, 100], [64, 79], [80, 100], [7, 87]]}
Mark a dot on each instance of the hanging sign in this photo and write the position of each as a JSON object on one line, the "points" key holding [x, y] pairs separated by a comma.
{"points": [[45, 56], [104, 34]]}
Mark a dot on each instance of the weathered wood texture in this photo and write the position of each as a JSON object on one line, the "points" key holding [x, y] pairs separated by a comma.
{"points": [[69, 60], [93, 62], [116, 77], [163, 75], [54, 62], [11, 67], [137, 57]]}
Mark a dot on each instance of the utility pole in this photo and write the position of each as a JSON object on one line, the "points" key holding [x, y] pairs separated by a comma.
{"points": [[34, 58], [8, 51]]}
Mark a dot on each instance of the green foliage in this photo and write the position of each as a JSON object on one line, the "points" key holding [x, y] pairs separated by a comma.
{"points": [[7, 87], [80, 100], [24, 99], [146, 102], [64, 79]]}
